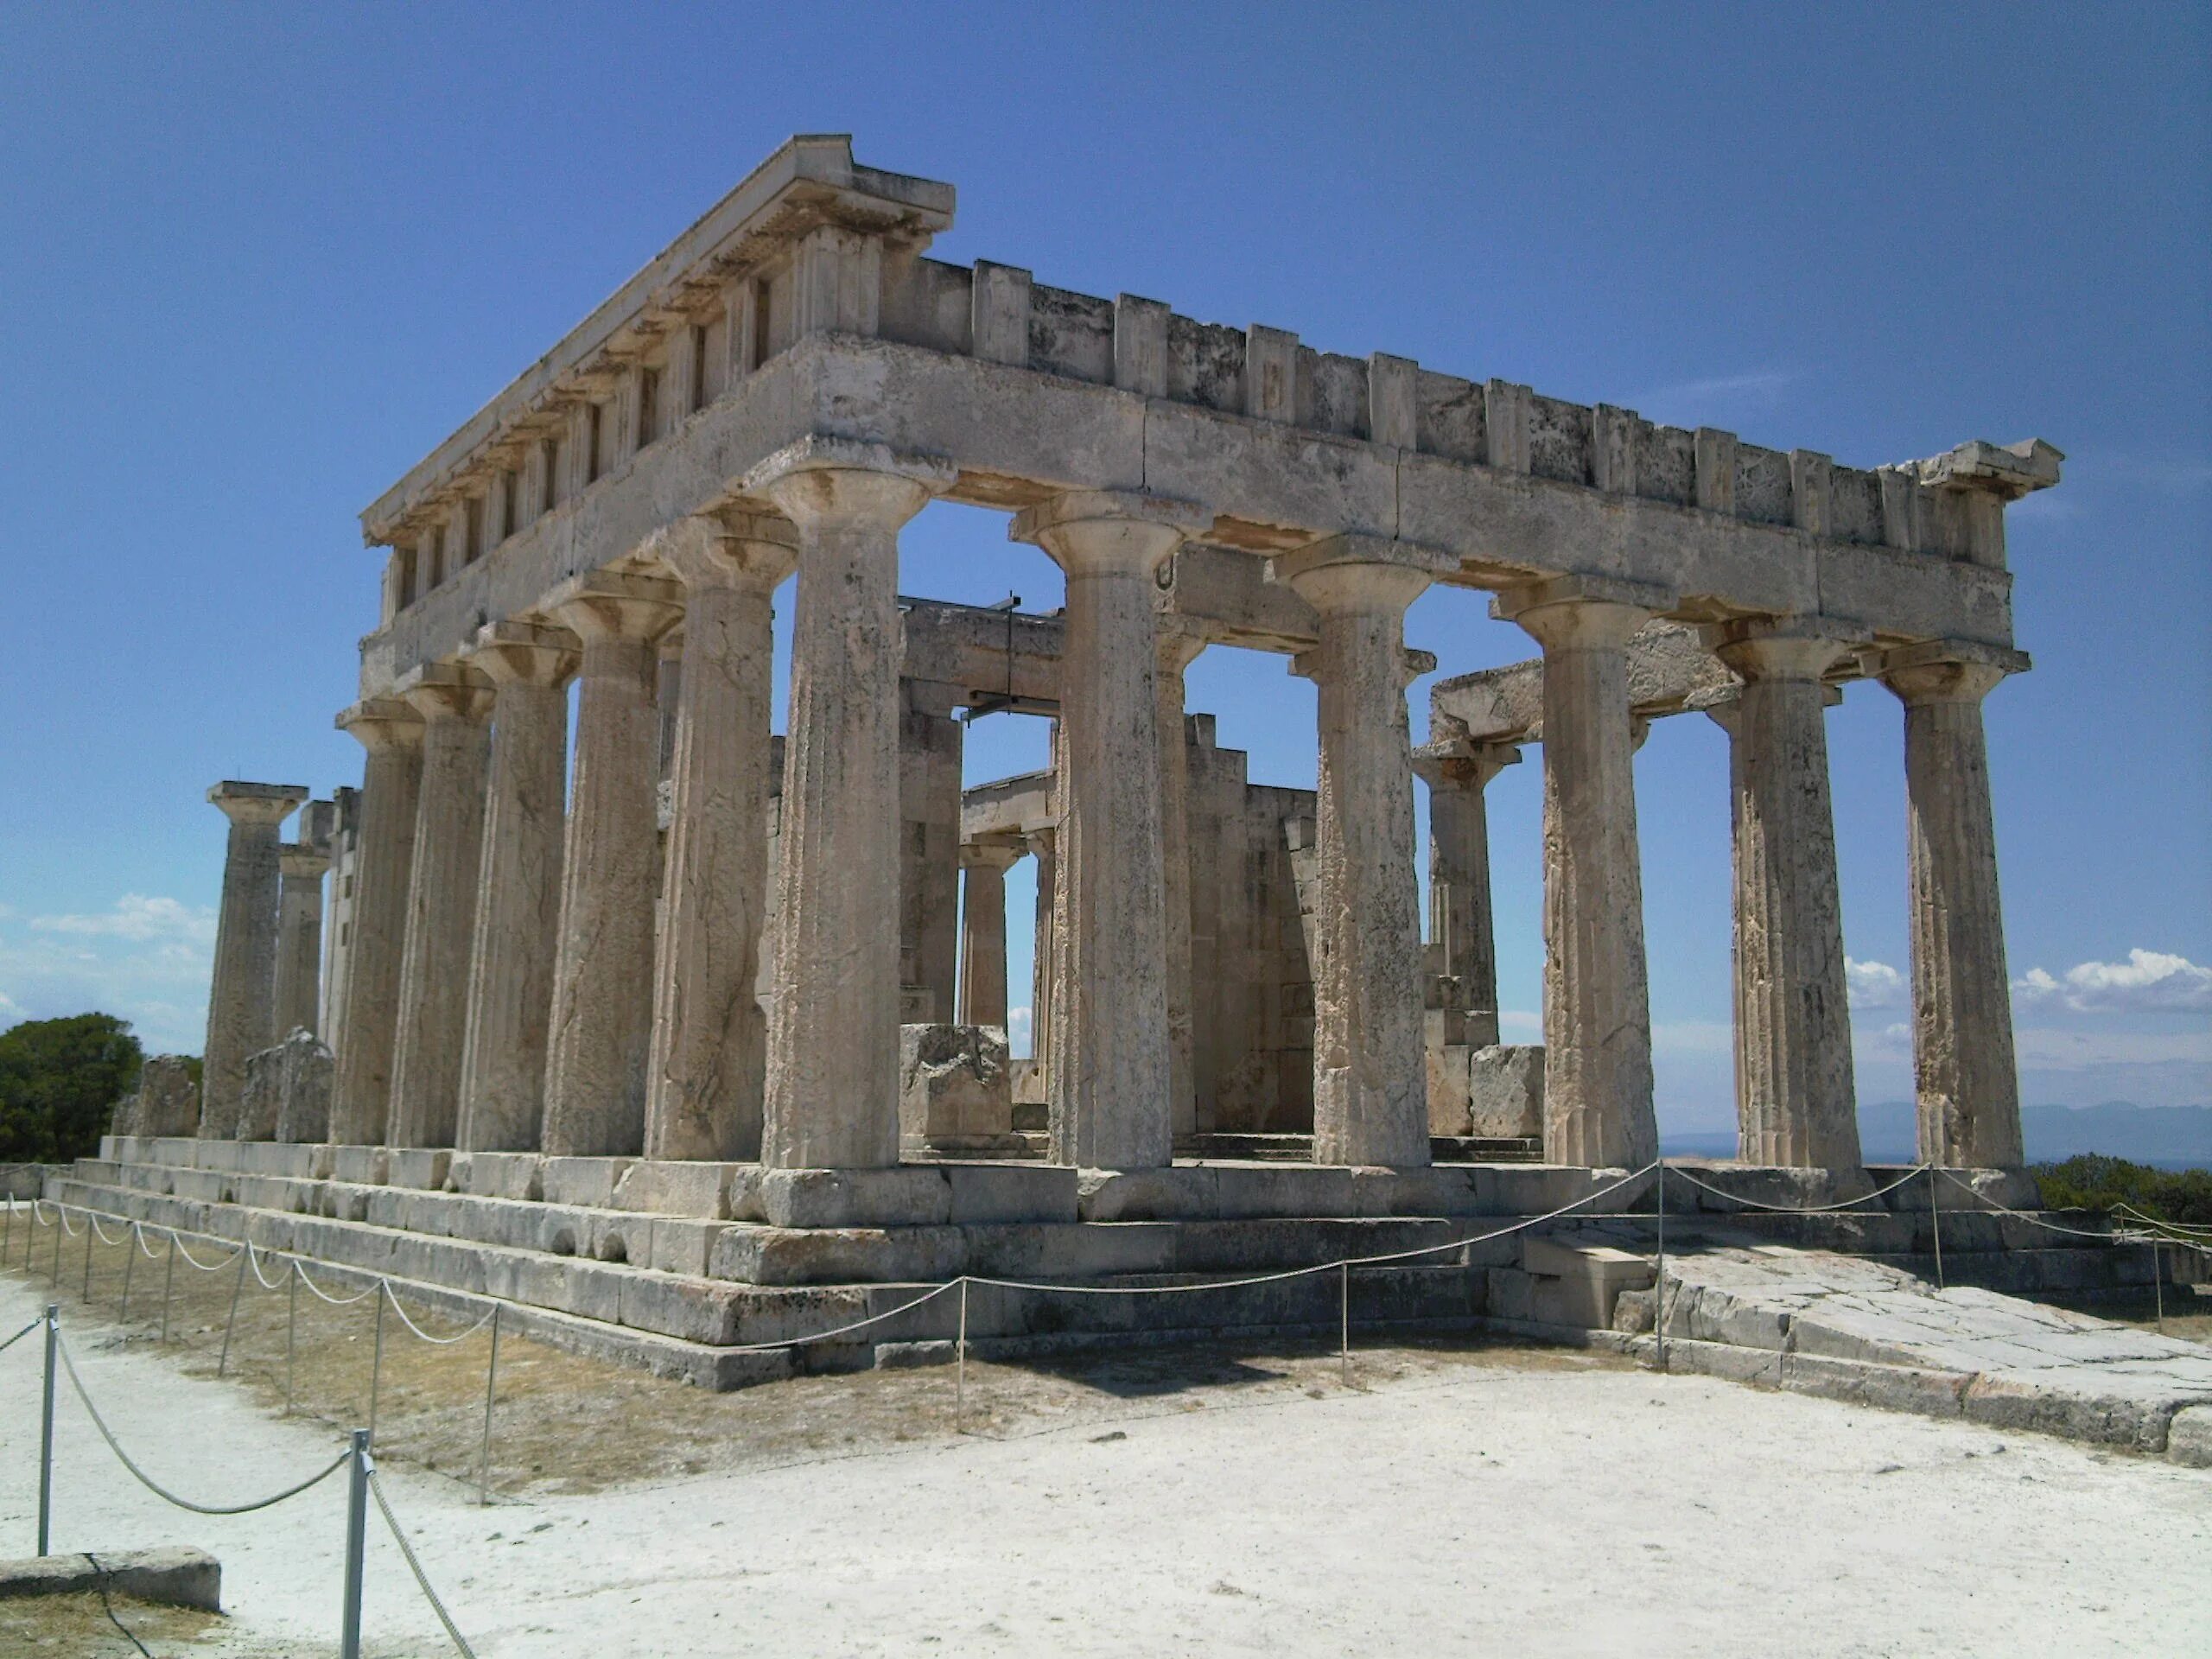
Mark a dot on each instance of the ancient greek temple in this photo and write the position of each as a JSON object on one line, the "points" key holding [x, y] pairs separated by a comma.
{"points": [[689, 1040], [714, 944]]}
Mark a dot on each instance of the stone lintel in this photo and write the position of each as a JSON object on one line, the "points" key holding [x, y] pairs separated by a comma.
{"points": [[2009, 471], [248, 802], [811, 181]]}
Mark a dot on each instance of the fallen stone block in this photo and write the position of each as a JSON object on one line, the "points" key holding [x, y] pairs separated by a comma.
{"points": [[2189, 1437], [177, 1577], [953, 1080], [1505, 1092]]}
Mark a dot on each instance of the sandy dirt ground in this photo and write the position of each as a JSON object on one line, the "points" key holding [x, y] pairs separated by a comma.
{"points": [[1452, 1500]]}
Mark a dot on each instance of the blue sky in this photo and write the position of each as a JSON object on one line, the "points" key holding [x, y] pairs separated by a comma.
{"points": [[257, 260]]}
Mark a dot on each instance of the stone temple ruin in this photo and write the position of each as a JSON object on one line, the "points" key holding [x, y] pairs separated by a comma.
{"points": [[701, 1047]]}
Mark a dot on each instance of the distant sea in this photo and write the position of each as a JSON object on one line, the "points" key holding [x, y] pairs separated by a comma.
{"points": [[2165, 1137]]}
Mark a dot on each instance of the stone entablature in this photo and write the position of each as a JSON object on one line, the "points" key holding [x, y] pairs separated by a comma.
{"points": [[1026, 391]]}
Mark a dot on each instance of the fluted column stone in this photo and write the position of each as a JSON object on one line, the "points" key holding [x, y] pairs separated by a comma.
{"points": [[242, 991], [1177, 647], [391, 780], [984, 866], [709, 1039], [518, 920], [611, 867], [1370, 1080], [1795, 1099], [299, 937], [1110, 1065], [1044, 847], [1461, 924], [1598, 1078], [455, 704], [832, 1095], [1968, 1081]]}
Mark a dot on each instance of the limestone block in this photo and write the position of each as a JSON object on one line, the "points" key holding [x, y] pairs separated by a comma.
{"points": [[906, 1197], [168, 1099], [953, 1080], [675, 1188], [497, 1174], [423, 1168], [1579, 1284], [365, 1165], [2189, 1437], [1505, 1090], [286, 1094], [995, 1193], [582, 1180], [1447, 1082]]}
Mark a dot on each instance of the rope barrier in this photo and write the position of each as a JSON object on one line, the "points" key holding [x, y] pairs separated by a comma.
{"points": [[20, 1335], [261, 1278], [300, 1268], [2106, 1234], [191, 1260], [163, 1492], [93, 1216], [1841, 1204], [399, 1537], [443, 1342]]}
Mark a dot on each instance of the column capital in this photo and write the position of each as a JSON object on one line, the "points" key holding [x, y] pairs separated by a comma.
{"points": [[1582, 612], [303, 860], [378, 723], [1943, 670], [604, 606], [1783, 648], [1460, 764], [1177, 642], [751, 550], [1361, 573], [823, 480], [1100, 532], [519, 652], [999, 856], [448, 691], [257, 804]]}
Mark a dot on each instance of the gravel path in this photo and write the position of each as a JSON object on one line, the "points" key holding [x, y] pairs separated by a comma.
{"points": [[1460, 1506]]}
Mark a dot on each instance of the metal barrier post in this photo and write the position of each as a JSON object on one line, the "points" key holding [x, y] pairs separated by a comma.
{"points": [[130, 1262], [46, 1431], [291, 1326], [245, 1252], [376, 1363], [1659, 1281], [356, 1538], [168, 1278], [2159, 1283], [60, 1228], [960, 1368], [1344, 1321], [92, 1230], [491, 1381], [1935, 1221]]}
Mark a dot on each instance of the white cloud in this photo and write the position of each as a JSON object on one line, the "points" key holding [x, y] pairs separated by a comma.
{"points": [[1692, 1037], [1520, 1023], [1874, 984], [138, 918], [2149, 981]]}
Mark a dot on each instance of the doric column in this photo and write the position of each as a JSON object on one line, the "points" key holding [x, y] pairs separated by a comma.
{"points": [[517, 921], [1110, 1066], [603, 976], [242, 993], [1969, 1088], [299, 936], [984, 866], [1044, 847], [1177, 647], [360, 1095], [930, 744], [710, 1041], [833, 1025], [1460, 923], [1371, 1081], [455, 704], [1598, 1107], [1794, 1103]]}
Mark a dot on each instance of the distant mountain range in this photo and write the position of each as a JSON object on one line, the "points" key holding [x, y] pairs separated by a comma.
{"points": [[2166, 1137]]}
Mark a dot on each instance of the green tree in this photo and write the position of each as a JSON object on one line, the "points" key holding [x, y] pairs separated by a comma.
{"points": [[59, 1081]]}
